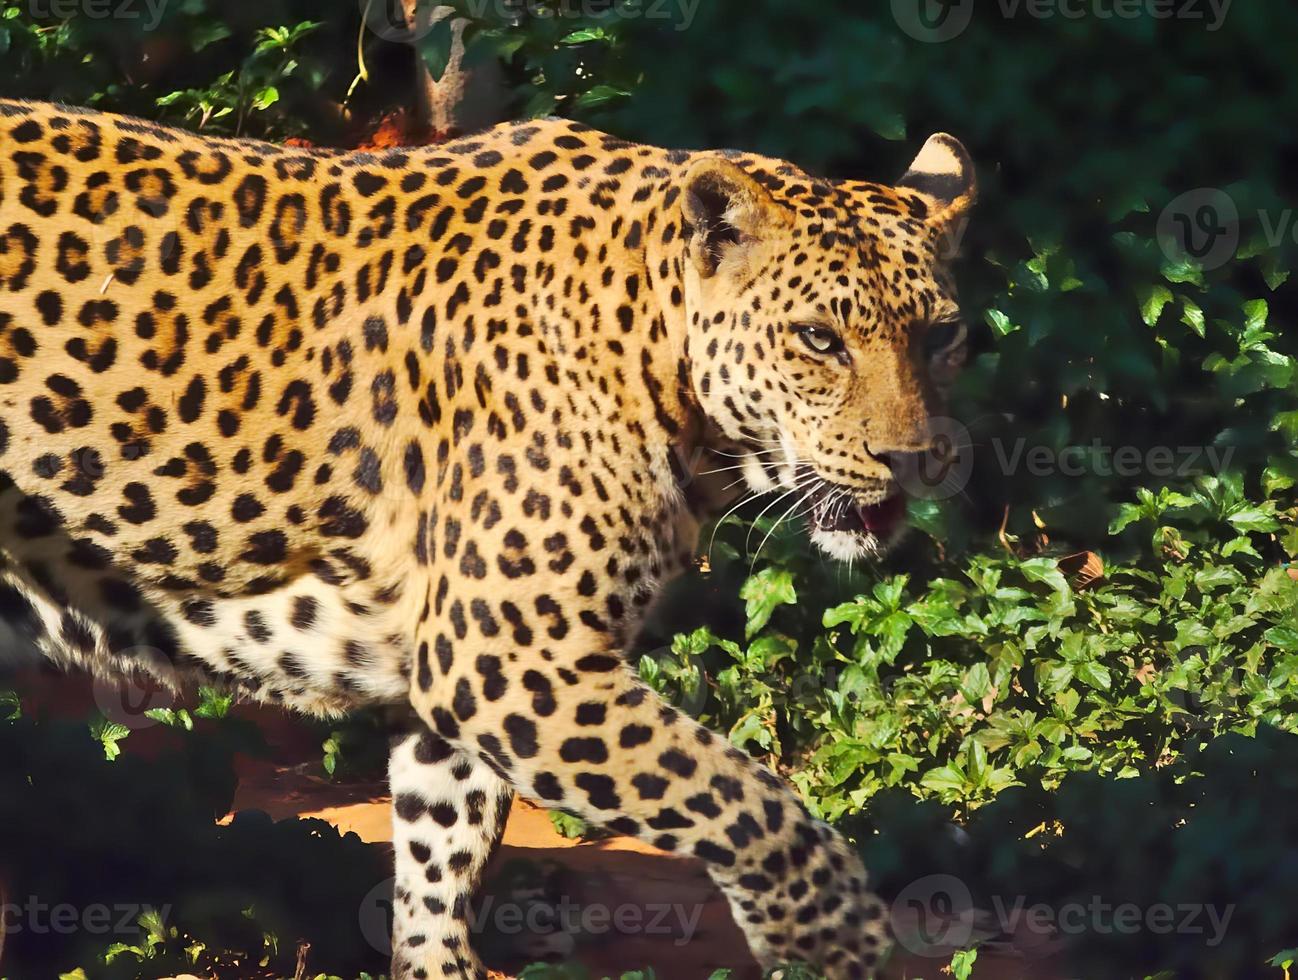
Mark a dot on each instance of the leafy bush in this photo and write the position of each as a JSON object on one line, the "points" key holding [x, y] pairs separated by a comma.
{"points": [[1000, 672], [1207, 854]]}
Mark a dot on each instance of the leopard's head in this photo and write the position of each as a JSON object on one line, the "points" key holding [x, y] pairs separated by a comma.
{"points": [[823, 330]]}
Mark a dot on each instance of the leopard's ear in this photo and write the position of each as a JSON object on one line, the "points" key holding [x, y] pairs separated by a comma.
{"points": [[945, 172], [725, 211]]}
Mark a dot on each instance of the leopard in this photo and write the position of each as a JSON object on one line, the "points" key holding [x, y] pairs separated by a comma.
{"points": [[429, 428]]}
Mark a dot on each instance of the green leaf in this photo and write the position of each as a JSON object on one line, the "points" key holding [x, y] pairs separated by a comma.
{"points": [[763, 593], [1254, 519], [1285, 959], [208, 32], [1181, 270], [1094, 675], [1046, 571], [1280, 475], [435, 48], [265, 98], [1053, 675], [586, 34], [1256, 312], [1068, 702], [947, 780], [750, 728], [976, 684], [1284, 637], [213, 703], [889, 591], [902, 763], [962, 963], [1286, 423], [1152, 301], [1275, 274], [1000, 323], [1192, 316], [1127, 515], [600, 95], [109, 734], [568, 825], [852, 613], [888, 124]]}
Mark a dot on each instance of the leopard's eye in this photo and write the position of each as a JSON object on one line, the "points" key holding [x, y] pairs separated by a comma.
{"points": [[943, 336], [821, 340]]}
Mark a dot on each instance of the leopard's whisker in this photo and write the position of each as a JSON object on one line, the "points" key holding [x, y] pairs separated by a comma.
{"points": [[778, 522], [798, 485]]}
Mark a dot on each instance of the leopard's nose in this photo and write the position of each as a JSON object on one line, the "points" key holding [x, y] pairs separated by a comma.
{"points": [[902, 462], [903, 447]]}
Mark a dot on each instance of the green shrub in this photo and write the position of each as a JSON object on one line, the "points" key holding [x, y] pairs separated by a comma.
{"points": [[999, 672]]}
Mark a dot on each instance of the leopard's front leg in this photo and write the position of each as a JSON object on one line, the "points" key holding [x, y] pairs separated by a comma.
{"points": [[449, 813], [562, 719]]}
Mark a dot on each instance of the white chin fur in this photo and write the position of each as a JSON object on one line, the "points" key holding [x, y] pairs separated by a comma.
{"points": [[848, 546], [755, 474]]}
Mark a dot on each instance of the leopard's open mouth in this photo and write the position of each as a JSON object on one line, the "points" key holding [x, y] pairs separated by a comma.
{"points": [[845, 522], [845, 527]]}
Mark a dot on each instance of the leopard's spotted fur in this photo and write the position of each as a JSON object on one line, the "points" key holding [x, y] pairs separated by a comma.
{"points": [[341, 429]]}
